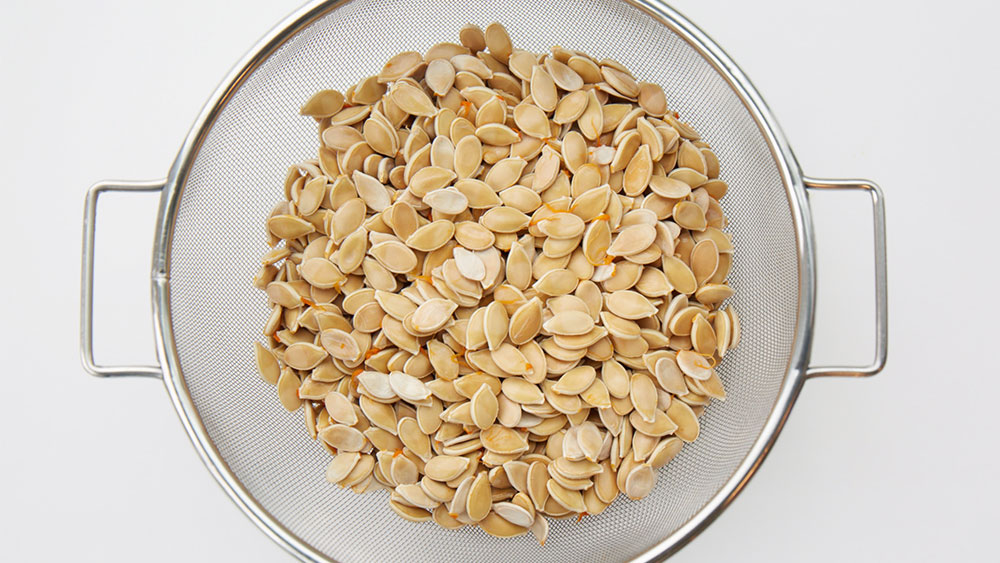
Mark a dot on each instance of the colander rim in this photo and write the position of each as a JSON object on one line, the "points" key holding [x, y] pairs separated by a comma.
{"points": [[791, 176]]}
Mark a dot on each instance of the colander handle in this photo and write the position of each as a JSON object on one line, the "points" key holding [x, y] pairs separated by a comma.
{"points": [[881, 292], [87, 281]]}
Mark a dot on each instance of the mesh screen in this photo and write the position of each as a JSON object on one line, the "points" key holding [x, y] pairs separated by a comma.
{"points": [[237, 177]]}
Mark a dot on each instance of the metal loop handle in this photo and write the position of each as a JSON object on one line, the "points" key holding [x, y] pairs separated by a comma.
{"points": [[87, 281], [881, 292]]}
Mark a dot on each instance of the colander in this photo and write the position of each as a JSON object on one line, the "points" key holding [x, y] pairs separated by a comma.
{"points": [[230, 170]]}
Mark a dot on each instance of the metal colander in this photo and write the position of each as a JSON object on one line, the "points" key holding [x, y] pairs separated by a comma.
{"points": [[230, 172]]}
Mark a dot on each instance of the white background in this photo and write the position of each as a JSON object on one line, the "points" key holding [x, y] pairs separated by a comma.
{"points": [[899, 467]]}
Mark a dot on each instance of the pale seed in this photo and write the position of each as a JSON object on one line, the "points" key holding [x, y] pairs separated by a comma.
{"points": [[557, 282], [640, 481], [288, 390], [504, 220], [632, 240], [694, 365], [503, 440], [652, 99], [568, 499], [620, 81], [342, 437], [497, 134], [629, 305], [445, 467], [575, 381], [543, 89], [340, 344], [431, 236], [432, 315], [686, 420], [377, 385], [643, 396], [440, 76], [531, 120], [679, 275], [407, 387], [323, 104], [670, 376], [484, 407], [571, 107], [498, 42], [639, 172], [449, 201], [267, 364], [341, 466], [340, 408], [713, 293]]}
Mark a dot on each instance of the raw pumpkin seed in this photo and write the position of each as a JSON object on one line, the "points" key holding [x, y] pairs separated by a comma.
{"points": [[482, 230]]}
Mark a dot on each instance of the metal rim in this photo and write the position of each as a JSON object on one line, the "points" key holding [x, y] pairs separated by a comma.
{"points": [[790, 173]]}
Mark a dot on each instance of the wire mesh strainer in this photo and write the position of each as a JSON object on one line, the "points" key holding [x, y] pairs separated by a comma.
{"points": [[230, 171]]}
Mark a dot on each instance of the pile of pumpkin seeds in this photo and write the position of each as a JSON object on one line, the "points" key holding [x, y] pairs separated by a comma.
{"points": [[498, 290]]}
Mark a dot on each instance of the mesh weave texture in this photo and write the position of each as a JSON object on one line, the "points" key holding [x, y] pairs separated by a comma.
{"points": [[237, 177]]}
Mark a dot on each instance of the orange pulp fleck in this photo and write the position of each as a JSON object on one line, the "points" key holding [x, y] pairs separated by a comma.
{"points": [[534, 222], [466, 108], [552, 209]]}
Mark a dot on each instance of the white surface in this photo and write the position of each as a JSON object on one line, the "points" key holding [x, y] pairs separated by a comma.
{"points": [[899, 467]]}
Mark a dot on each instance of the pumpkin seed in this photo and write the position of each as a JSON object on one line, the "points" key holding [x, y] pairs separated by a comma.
{"points": [[324, 103], [432, 315], [570, 323], [497, 134], [504, 220], [686, 420], [569, 499], [267, 364], [543, 89], [640, 481], [632, 240], [343, 438], [629, 305], [440, 76], [575, 381], [341, 466], [693, 365], [445, 467], [484, 407]]}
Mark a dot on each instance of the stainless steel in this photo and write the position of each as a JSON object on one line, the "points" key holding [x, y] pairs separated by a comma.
{"points": [[229, 173], [881, 287], [87, 281]]}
